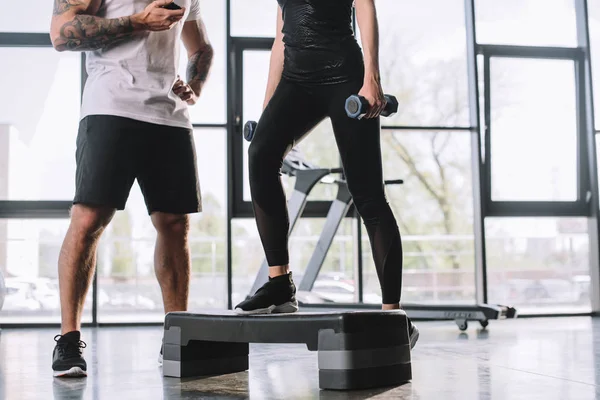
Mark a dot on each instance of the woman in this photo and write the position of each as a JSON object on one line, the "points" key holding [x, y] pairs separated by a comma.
{"points": [[316, 63]]}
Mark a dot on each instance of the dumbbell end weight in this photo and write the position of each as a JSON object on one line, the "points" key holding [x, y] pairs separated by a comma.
{"points": [[391, 106], [356, 106], [249, 129]]}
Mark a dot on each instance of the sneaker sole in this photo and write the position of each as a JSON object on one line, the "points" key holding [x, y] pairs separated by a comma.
{"points": [[285, 308], [414, 337], [74, 372]]}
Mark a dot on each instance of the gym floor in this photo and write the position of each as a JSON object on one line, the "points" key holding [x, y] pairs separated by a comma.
{"points": [[546, 359]]}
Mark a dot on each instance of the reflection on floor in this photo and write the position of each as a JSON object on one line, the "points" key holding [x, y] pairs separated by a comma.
{"points": [[528, 359]]}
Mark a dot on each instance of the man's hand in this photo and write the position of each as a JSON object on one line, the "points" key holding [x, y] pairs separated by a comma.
{"points": [[185, 92], [157, 18], [373, 92]]}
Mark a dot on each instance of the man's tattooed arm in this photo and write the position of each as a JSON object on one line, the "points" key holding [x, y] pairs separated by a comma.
{"points": [[62, 6], [75, 28], [86, 32], [199, 66], [200, 53]]}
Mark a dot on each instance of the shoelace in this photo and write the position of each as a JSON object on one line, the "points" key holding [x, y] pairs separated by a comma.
{"points": [[70, 349]]}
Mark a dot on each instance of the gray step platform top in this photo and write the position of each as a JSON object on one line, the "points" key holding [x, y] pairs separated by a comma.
{"points": [[300, 327]]}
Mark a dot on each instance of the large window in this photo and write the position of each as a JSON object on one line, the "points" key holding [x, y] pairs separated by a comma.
{"points": [[423, 61], [533, 163], [256, 18], [534, 157], [29, 251], [533, 110], [594, 23], [527, 22], [38, 14], [539, 265], [434, 209], [39, 117]]}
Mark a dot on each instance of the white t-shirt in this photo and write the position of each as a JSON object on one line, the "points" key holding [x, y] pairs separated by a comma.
{"points": [[134, 78]]}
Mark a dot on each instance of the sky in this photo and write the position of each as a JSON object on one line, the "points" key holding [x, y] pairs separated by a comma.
{"points": [[41, 97]]}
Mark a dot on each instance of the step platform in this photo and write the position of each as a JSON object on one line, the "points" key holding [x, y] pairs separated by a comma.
{"points": [[356, 349]]}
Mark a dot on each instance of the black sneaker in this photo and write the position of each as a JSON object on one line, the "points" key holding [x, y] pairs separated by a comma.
{"points": [[67, 358], [278, 295], [413, 334]]}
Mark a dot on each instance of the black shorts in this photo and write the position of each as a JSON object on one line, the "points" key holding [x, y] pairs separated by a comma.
{"points": [[114, 151]]}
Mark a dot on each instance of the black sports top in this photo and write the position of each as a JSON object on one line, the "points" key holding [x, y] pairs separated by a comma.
{"points": [[320, 46]]}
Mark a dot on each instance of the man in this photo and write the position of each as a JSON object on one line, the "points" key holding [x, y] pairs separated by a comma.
{"points": [[134, 125]]}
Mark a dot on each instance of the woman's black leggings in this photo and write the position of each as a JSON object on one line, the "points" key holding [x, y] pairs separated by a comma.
{"points": [[294, 110]]}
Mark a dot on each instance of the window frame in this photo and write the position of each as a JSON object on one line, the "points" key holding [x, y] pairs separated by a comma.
{"points": [[586, 205], [509, 208]]}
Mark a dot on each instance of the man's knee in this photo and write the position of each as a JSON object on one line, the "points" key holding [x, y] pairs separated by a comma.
{"points": [[171, 224], [90, 221]]}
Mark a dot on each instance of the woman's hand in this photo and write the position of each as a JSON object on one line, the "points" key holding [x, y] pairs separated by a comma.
{"points": [[373, 92]]}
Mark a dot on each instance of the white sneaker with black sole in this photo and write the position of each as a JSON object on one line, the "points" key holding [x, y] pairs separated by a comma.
{"points": [[278, 295]]}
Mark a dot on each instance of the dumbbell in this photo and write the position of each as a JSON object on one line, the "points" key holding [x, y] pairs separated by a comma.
{"points": [[357, 106], [249, 129]]}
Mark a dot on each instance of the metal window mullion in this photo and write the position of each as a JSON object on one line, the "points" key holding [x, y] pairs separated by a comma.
{"points": [[24, 39], [564, 53], [487, 136], [476, 157], [583, 165], [209, 126], [583, 38], [427, 128], [230, 146]]}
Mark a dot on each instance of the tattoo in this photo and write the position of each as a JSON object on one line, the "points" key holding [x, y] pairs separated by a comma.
{"points": [[199, 65], [62, 6], [86, 32]]}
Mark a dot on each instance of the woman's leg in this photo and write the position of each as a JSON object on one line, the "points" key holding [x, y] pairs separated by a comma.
{"points": [[292, 113], [359, 143]]}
